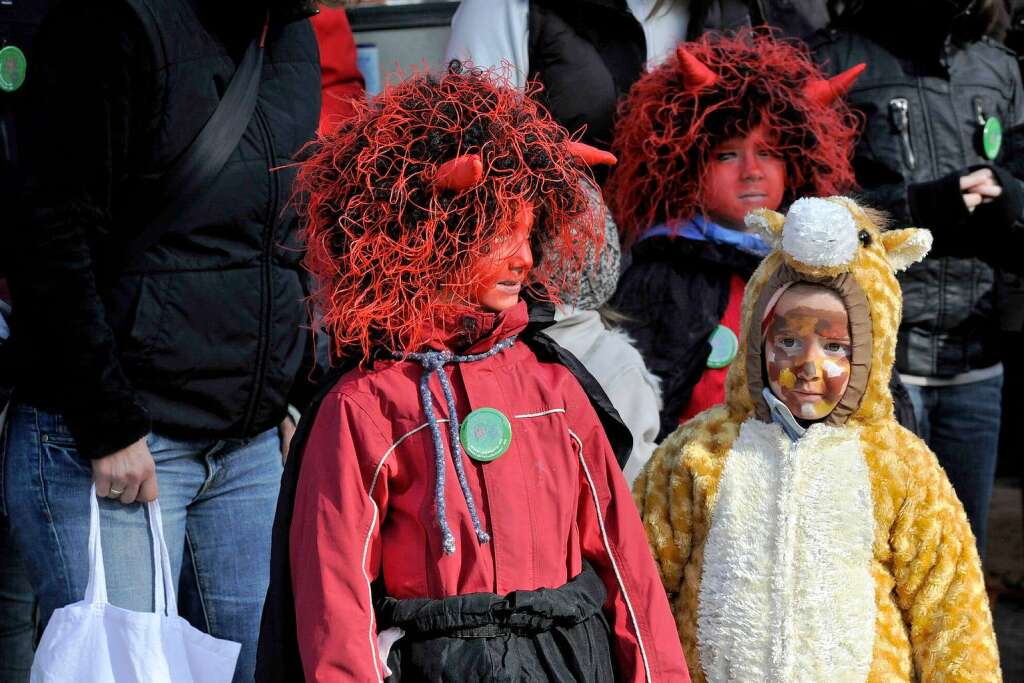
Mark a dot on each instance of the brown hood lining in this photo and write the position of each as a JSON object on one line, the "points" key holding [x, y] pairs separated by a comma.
{"points": [[853, 297]]}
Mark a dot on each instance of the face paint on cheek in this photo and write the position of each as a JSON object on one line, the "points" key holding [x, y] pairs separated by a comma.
{"points": [[832, 369], [815, 410], [787, 379], [835, 384]]}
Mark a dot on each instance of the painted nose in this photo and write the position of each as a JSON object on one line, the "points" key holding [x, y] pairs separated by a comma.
{"points": [[810, 367], [752, 167], [521, 261], [820, 233]]}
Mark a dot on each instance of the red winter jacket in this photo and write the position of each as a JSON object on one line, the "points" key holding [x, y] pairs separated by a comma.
{"points": [[364, 508], [340, 80]]}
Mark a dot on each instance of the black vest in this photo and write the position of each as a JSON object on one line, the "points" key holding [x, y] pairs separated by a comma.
{"points": [[587, 54], [210, 321]]}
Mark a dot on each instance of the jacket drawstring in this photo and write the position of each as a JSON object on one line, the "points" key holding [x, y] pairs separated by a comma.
{"points": [[433, 362]]}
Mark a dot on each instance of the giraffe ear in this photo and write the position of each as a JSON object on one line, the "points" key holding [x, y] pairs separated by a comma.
{"points": [[769, 223], [906, 247]]}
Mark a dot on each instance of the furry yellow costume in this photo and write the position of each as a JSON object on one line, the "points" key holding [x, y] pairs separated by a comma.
{"points": [[843, 555]]}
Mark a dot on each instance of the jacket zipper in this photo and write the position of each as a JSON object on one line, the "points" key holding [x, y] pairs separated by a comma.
{"points": [[262, 343], [899, 113]]}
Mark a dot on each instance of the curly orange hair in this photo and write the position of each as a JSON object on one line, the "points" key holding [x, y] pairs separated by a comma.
{"points": [[667, 128], [391, 252]]}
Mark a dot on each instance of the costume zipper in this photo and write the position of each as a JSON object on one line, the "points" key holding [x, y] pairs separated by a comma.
{"points": [[263, 340], [899, 113]]}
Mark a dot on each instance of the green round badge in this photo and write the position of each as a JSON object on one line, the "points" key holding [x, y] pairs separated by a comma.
{"points": [[485, 434], [724, 346], [12, 68], [992, 137]]}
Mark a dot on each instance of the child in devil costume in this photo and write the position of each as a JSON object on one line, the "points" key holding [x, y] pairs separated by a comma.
{"points": [[729, 125], [454, 508]]}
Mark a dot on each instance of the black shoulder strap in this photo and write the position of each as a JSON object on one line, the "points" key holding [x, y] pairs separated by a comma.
{"points": [[201, 163]]}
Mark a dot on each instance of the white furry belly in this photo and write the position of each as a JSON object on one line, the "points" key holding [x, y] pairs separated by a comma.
{"points": [[786, 592]]}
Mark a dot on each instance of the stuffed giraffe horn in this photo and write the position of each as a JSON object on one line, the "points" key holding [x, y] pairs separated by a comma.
{"points": [[591, 156], [459, 174], [825, 92], [695, 72]]}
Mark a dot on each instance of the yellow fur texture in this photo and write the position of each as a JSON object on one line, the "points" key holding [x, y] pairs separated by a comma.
{"points": [[932, 618]]}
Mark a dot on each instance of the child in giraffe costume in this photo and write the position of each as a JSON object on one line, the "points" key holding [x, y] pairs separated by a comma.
{"points": [[801, 533]]}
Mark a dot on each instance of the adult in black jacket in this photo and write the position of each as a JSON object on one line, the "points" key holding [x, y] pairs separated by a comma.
{"points": [[18, 25], [588, 53], [173, 366], [931, 99]]}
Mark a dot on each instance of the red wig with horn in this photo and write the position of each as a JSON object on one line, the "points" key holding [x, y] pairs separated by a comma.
{"points": [[417, 185], [718, 88]]}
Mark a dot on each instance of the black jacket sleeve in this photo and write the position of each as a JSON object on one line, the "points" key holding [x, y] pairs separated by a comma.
{"points": [[92, 113]]}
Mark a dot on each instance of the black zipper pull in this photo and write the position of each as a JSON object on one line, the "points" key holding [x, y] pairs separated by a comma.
{"points": [[899, 114]]}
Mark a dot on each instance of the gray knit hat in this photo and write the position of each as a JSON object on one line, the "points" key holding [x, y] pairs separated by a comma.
{"points": [[600, 274]]}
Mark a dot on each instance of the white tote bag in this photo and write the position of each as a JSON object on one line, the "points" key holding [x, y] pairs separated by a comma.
{"points": [[93, 641]]}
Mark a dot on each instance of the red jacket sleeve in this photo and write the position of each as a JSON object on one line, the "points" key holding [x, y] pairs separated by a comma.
{"points": [[340, 79], [645, 641], [335, 544]]}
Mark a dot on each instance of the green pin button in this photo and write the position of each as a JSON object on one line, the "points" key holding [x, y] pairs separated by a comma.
{"points": [[724, 347], [12, 68], [992, 137], [485, 434]]}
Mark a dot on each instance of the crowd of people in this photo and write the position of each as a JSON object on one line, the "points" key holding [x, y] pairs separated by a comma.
{"points": [[649, 340]]}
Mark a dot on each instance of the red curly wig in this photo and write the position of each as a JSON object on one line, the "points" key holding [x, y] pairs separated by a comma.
{"points": [[678, 112], [391, 245]]}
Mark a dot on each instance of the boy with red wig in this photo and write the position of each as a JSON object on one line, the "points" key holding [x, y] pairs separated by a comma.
{"points": [[729, 125], [454, 508]]}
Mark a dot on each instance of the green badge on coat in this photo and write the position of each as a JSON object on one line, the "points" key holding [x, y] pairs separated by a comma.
{"points": [[485, 434], [12, 68], [724, 347], [992, 137]]}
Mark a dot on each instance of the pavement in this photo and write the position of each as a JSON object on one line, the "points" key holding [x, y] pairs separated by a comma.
{"points": [[1004, 568]]}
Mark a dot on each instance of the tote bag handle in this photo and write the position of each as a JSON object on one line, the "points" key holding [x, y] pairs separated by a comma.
{"points": [[164, 598]]}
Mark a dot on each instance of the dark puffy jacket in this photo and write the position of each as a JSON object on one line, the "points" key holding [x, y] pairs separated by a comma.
{"points": [[202, 335], [597, 47], [922, 132]]}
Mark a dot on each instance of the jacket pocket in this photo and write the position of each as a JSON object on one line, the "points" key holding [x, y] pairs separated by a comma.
{"points": [[198, 327], [133, 314]]}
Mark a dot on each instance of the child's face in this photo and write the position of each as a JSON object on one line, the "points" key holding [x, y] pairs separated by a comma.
{"points": [[807, 351], [503, 271], [744, 174]]}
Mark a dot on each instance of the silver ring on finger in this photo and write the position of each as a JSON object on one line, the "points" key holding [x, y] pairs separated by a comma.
{"points": [[114, 493]]}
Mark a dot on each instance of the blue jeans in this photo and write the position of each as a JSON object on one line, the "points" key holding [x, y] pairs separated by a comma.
{"points": [[17, 611], [216, 497], [961, 424]]}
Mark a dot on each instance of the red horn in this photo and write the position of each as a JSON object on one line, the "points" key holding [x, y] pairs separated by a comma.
{"points": [[459, 174], [591, 156], [696, 74], [825, 92]]}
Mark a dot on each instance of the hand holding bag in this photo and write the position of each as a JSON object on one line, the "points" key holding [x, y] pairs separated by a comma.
{"points": [[92, 641]]}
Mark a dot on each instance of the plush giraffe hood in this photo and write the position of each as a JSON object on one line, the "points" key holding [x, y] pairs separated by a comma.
{"points": [[835, 243]]}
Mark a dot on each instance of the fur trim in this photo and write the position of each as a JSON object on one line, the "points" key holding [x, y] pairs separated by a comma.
{"points": [[787, 565]]}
